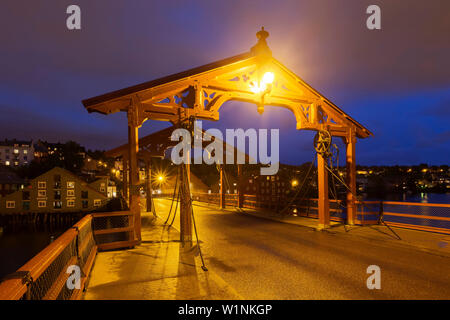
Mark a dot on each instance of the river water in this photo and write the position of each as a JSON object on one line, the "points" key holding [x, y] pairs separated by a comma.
{"points": [[421, 197], [18, 245]]}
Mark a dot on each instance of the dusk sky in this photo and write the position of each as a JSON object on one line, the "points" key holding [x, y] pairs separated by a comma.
{"points": [[394, 81]]}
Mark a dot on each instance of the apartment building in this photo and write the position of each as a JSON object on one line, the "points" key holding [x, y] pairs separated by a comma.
{"points": [[56, 190], [9, 181], [16, 153]]}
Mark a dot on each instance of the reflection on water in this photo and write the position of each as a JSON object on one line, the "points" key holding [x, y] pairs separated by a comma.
{"points": [[420, 197], [18, 245]]}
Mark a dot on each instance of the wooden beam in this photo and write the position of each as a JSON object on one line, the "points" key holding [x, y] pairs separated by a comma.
{"points": [[222, 187], [351, 179], [185, 205], [125, 177], [148, 184], [324, 204], [240, 187], [133, 144]]}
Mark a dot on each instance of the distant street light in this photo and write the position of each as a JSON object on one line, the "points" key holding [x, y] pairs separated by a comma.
{"points": [[294, 183]]}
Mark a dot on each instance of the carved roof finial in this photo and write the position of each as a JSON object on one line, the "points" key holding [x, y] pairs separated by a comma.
{"points": [[261, 47], [262, 35]]}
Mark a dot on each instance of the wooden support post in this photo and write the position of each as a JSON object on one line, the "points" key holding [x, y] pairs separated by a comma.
{"points": [[125, 177], [185, 206], [148, 184], [324, 204], [222, 187], [351, 180], [133, 144], [240, 187]]}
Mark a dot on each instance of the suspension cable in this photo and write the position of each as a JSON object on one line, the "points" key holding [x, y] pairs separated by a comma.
{"points": [[173, 198], [176, 207], [194, 224]]}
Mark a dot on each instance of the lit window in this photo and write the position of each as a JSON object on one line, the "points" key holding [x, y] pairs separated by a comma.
{"points": [[70, 184], [10, 204], [42, 193], [16, 151], [7, 163], [42, 204], [42, 184], [71, 193], [25, 151], [102, 187], [97, 202], [57, 204], [71, 203]]}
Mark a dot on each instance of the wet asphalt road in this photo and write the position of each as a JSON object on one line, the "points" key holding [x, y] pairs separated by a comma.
{"points": [[263, 259]]}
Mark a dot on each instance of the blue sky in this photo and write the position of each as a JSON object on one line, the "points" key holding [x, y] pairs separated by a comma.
{"points": [[394, 81]]}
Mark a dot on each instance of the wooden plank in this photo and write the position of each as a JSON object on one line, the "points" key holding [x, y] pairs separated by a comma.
{"points": [[443, 205], [415, 216], [114, 230], [112, 214], [117, 245]]}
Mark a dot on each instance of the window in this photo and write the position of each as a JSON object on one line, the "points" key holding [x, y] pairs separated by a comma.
{"points": [[57, 204], [57, 195], [10, 204], [97, 203], [71, 193], [102, 187], [16, 163], [85, 204], [70, 184], [57, 181], [25, 195], [7, 163], [42, 204], [71, 203], [42, 193], [25, 151], [84, 195], [42, 184], [26, 205], [16, 151]]}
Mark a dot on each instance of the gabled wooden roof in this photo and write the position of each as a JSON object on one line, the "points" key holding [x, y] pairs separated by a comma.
{"points": [[120, 100], [92, 102]]}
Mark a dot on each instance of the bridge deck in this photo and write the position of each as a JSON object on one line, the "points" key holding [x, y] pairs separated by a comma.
{"points": [[159, 268]]}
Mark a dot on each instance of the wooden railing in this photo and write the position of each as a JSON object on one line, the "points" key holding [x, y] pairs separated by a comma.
{"points": [[45, 276], [419, 216], [113, 230], [433, 217]]}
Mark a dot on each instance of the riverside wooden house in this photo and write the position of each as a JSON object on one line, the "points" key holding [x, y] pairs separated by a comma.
{"points": [[57, 190]]}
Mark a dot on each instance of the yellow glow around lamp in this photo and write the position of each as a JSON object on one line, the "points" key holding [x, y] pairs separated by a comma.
{"points": [[263, 88]]}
